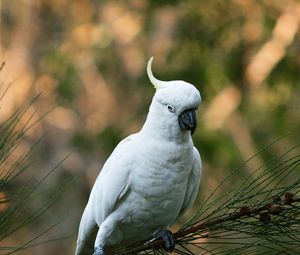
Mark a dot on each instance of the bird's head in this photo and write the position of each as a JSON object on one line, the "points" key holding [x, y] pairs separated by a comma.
{"points": [[174, 104]]}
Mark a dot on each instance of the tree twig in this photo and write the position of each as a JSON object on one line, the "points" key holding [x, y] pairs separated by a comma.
{"points": [[284, 204], [259, 210]]}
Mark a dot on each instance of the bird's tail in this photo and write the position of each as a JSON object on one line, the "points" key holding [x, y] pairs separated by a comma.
{"points": [[87, 233]]}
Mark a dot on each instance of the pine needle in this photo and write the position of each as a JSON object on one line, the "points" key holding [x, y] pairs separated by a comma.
{"points": [[260, 216], [21, 194]]}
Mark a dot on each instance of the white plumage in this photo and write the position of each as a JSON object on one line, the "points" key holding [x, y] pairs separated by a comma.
{"points": [[151, 177]]}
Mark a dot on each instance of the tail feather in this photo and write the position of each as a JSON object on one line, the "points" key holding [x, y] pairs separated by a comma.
{"points": [[87, 234]]}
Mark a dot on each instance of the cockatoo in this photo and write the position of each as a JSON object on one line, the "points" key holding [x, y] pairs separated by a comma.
{"points": [[150, 178]]}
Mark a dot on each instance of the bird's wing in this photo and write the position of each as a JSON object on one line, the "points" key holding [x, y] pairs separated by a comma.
{"points": [[113, 181], [193, 182], [111, 185]]}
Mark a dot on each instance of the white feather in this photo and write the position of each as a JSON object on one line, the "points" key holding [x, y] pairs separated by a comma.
{"points": [[149, 180]]}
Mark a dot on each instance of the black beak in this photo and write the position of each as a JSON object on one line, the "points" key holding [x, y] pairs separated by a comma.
{"points": [[188, 121]]}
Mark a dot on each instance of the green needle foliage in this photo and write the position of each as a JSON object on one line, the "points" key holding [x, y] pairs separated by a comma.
{"points": [[259, 216], [23, 194]]}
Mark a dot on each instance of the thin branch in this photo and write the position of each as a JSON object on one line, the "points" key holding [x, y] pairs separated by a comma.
{"points": [[261, 213]]}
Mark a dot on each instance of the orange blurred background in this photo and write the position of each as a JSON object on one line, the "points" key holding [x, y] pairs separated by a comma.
{"points": [[87, 59]]}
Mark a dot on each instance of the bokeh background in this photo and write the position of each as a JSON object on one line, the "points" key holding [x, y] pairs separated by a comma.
{"points": [[88, 59]]}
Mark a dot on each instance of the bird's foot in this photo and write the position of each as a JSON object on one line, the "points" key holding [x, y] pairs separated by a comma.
{"points": [[168, 238], [99, 250]]}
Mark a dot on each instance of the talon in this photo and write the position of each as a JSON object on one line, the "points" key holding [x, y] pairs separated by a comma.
{"points": [[99, 250], [168, 238]]}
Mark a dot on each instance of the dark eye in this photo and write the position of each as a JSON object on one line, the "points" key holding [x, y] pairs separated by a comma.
{"points": [[171, 108]]}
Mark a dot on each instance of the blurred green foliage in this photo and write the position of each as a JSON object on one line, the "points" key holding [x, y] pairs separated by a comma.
{"points": [[89, 58], [61, 67]]}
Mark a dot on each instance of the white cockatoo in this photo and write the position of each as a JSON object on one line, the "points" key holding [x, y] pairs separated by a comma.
{"points": [[151, 177]]}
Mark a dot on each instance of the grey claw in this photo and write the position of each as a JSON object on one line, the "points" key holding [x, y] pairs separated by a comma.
{"points": [[168, 238], [99, 250]]}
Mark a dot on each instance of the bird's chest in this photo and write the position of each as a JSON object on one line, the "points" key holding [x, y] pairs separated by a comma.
{"points": [[159, 185]]}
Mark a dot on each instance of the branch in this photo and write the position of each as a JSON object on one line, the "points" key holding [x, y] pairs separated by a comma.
{"points": [[263, 212], [2, 65], [259, 210]]}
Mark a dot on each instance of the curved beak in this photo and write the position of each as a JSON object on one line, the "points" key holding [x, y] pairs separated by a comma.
{"points": [[188, 121]]}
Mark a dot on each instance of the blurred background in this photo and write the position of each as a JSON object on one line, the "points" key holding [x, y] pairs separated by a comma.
{"points": [[88, 59]]}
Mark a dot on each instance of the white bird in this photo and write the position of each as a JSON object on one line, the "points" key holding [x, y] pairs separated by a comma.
{"points": [[151, 177]]}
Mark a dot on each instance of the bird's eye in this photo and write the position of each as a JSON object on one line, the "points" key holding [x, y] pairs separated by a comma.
{"points": [[171, 108]]}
